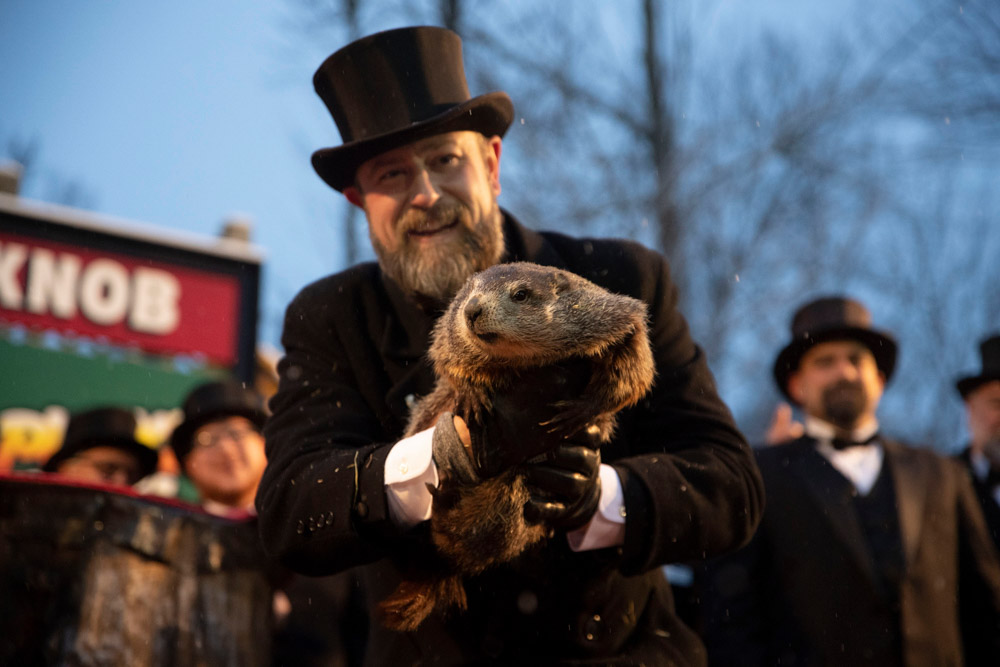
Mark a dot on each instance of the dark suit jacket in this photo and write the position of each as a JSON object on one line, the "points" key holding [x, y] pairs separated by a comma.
{"points": [[806, 592], [355, 351], [991, 510]]}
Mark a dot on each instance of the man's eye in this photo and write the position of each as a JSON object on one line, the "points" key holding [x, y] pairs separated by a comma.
{"points": [[448, 160], [389, 174]]}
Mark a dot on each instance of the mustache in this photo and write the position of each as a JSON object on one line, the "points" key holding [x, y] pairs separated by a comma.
{"points": [[844, 401], [442, 214]]}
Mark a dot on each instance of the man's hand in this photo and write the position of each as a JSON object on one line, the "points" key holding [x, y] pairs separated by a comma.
{"points": [[783, 428], [565, 487]]}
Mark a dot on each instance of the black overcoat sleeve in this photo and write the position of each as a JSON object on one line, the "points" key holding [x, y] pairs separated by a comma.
{"points": [[321, 502]]}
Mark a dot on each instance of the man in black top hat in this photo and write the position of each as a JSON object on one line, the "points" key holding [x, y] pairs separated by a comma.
{"points": [[869, 552], [100, 446], [221, 449], [219, 444], [981, 394], [421, 157]]}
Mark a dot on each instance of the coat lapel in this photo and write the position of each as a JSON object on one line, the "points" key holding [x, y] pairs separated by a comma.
{"points": [[911, 480], [833, 494]]}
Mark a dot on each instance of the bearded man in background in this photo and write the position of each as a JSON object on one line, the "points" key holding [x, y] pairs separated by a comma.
{"points": [[869, 552]]}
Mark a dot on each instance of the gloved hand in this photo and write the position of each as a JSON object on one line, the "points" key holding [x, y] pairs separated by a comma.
{"points": [[565, 487], [516, 428]]}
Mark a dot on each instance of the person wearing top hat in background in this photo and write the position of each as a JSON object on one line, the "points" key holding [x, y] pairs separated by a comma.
{"points": [[100, 446], [421, 157], [981, 395], [219, 445], [869, 552]]}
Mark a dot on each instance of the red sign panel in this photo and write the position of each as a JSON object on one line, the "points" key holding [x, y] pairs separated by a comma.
{"points": [[159, 307]]}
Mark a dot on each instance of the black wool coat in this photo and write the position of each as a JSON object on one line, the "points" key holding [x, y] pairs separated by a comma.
{"points": [[355, 357], [991, 510], [805, 591]]}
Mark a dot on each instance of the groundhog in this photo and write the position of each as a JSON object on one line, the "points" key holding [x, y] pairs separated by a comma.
{"points": [[515, 327]]}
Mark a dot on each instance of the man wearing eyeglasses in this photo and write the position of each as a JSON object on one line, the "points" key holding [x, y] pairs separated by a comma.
{"points": [[220, 447], [100, 447]]}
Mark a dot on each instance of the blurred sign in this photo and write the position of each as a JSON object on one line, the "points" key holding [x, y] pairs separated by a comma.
{"points": [[95, 312]]}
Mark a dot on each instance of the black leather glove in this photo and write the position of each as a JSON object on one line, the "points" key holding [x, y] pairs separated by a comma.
{"points": [[565, 487], [516, 428]]}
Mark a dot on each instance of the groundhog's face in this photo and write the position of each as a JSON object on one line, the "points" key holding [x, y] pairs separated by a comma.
{"points": [[511, 311]]}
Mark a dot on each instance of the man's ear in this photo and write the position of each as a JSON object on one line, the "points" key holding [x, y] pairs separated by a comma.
{"points": [[493, 164], [354, 196], [794, 388]]}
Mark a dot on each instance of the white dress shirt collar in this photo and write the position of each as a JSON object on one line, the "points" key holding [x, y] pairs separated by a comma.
{"points": [[861, 465]]}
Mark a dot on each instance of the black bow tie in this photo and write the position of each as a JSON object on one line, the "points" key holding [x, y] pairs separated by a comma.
{"points": [[840, 443]]}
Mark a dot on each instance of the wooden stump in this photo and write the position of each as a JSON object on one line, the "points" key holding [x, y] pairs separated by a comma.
{"points": [[93, 576]]}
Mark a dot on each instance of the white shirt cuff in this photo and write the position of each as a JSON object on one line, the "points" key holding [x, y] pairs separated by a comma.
{"points": [[607, 527], [409, 468]]}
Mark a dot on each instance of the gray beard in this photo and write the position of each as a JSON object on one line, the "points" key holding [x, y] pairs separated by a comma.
{"points": [[438, 272], [844, 402]]}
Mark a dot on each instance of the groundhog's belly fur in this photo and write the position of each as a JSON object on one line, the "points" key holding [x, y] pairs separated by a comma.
{"points": [[509, 325]]}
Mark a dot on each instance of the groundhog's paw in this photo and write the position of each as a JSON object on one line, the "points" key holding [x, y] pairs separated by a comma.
{"points": [[571, 418]]}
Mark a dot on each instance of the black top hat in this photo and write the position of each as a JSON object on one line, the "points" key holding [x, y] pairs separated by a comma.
{"points": [[833, 318], [394, 87], [211, 401], [989, 349], [103, 427]]}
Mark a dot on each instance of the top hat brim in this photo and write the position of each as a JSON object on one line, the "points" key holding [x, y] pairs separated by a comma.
{"points": [[882, 347], [180, 439], [967, 385], [489, 114], [147, 457]]}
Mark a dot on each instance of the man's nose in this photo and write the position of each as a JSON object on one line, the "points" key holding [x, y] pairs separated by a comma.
{"points": [[425, 192], [848, 370]]}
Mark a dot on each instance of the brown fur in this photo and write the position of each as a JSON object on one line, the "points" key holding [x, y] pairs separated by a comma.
{"points": [[506, 321]]}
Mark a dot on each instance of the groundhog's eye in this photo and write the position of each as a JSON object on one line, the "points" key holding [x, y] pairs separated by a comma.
{"points": [[520, 295]]}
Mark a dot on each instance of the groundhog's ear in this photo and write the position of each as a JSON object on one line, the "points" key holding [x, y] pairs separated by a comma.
{"points": [[561, 282]]}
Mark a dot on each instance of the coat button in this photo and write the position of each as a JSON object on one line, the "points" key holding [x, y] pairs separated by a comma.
{"points": [[527, 602], [592, 627], [361, 509]]}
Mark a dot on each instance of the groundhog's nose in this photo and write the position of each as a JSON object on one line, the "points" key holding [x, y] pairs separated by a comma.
{"points": [[473, 310]]}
